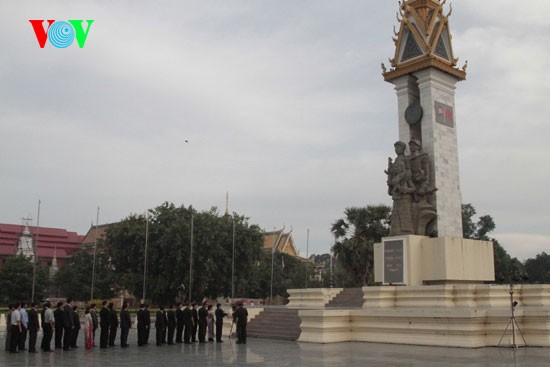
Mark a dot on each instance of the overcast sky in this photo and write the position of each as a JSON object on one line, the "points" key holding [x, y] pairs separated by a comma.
{"points": [[283, 106]]}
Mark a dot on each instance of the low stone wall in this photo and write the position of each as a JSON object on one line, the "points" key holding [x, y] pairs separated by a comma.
{"points": [[311, 297], [469, 316]]}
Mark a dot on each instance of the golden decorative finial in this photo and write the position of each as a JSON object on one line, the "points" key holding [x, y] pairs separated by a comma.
{"points": [[384, 70], [465, 66]]}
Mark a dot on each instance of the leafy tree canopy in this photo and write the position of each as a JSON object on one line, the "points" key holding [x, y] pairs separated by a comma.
{"points": [[16, 280]]}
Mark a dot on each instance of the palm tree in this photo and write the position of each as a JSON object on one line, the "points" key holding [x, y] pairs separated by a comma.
{"points": [[355, 236]]}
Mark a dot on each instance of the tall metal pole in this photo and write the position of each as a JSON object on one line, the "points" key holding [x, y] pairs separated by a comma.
{"points": [[145, 257], [331, 269], [95, 254], [307, 254], [35, 252], [233, 263], [272, 261], [191, 262]]}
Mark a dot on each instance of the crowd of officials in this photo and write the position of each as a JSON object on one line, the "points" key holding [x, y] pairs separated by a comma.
{"points": [[187, 323]]}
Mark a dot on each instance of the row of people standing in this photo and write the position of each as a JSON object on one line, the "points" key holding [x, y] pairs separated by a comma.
{"points": [[184, 322], [22, 323]]}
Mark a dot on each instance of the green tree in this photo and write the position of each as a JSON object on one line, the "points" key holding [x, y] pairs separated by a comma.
{"points": [[169, 251], [355, 236], [507, 269], [538, 269], [74, 280], [16, 280]]}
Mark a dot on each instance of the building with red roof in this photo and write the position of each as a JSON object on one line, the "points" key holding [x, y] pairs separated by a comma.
{"points": [[50, 242]]}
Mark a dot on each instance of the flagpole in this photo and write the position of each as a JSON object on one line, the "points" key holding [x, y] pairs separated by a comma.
{"points": [[233, 264], [145, 259], [191, 262], [307, 254], [95, 254], [35, 252]]}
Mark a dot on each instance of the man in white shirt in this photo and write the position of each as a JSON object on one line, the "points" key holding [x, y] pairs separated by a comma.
{"points": [[47, 327], [24, 326], [15, 328]]}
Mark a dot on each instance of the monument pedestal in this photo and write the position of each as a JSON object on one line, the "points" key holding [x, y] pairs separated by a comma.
{"points": [[418, 260]]}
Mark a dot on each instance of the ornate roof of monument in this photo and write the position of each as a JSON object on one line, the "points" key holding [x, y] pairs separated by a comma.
{"points": [[423, 41]]}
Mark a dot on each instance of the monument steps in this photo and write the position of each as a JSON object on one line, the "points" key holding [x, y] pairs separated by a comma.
{"points": [[275, 323], [348, 298]]}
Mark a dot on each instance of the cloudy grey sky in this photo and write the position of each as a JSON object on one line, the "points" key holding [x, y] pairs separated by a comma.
{"points": [[282, 103]]}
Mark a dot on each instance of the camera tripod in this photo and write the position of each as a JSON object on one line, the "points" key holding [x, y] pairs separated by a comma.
{"points": [[512, 323]]}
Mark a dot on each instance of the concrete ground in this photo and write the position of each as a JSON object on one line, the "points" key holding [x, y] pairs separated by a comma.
{"points": [[263, 352]]}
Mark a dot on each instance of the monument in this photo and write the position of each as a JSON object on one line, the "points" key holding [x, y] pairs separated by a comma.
{"points": [[431, 283], [423, 180]]}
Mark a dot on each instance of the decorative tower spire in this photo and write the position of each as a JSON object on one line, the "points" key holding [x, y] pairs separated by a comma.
{"points": [[25, 246], [423, 41], [54, 268]]}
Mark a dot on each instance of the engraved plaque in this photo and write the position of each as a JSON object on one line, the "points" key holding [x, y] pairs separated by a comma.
{"points": [[394, 261]]}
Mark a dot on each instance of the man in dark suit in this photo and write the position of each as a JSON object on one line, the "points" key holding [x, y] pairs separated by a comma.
{"points": [[104, 324], [141, 325], [241, 319], [187, 323], [147, 323], [179, 323], [195, 322], [76, 328], [171, 319], [34, 326], [95, 324], [125, 325], [68, 325], [220, 314], [203, 315], [58, 316], [160, 326], [113, 324]]}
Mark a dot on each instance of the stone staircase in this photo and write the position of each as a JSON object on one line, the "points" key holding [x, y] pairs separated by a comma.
{"points": [[348, 298], [275, 323]]}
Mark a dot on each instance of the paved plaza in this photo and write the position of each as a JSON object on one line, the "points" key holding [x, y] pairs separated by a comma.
{"points": [[263, 352]]}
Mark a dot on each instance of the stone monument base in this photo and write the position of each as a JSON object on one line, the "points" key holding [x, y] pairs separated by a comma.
{"points": [[470, 316], [419, 260]]}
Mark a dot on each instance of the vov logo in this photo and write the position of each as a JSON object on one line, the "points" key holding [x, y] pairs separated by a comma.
{"points": [[60, 33]]}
